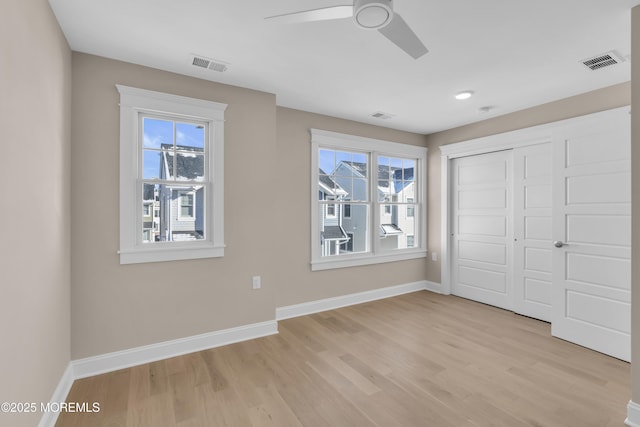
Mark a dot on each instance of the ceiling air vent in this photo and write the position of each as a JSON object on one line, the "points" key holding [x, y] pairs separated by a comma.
{"points": [[381, 115], [603, 60], [210, 64]]}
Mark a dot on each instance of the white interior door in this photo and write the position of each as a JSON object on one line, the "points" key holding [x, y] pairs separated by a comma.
{"points": [[592, 227], [482, 237], [532, 230]]}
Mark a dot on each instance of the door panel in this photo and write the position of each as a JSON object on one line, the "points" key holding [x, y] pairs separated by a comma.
{"points": [[537, 228], [483, 279], [614, 187], [592, 215], [482, 229], [532, 222], [482, 225], [599, 229], [495, 198], [490, 253], [537, 291]]}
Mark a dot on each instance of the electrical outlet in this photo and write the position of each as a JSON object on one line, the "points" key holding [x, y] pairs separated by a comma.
{"points": [[256, 282], [434, 256]]}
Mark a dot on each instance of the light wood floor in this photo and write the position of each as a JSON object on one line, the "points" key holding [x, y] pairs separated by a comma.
{"points": [[420, 359]]}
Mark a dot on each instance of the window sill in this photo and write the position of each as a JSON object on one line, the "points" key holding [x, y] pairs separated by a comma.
{"points": [[355, 261], [164, 253]]}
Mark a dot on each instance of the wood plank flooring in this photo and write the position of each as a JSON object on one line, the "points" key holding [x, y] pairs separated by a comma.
{"points": [[420, 359]]}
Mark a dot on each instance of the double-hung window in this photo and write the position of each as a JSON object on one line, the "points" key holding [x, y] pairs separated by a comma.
{"points": [[171, 164], [368, 203]]}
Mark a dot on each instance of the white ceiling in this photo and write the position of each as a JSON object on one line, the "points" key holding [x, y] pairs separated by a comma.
{"points": [[513, 54]]}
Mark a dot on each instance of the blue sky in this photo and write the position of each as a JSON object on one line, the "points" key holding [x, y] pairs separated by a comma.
{"points": [[158, 131]]}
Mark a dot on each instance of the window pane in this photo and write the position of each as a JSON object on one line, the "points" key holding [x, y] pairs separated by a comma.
{"points": [[407, 192], [359, 191], [342, 235], [187, 214], [360, 161], [156, 132], [189, 135], [326, 161], [178, 213], [190, 165], [327, 186], [395, 229], [396, 179], [340, 176], [151, 161], [409, 167], [343, 164]]}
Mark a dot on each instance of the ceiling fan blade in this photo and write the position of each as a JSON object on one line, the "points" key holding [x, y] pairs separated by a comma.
{"points": [[402, 36], [323, 14]]}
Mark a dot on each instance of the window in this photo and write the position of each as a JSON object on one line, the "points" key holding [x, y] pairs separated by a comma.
{"points": [[367, 194], [171, 164], [186, 205], [331, 208]]}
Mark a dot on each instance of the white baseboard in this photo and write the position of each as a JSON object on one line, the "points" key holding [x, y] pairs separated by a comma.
{"points": [[633, 414], [311, 307], [59, 395], [433, 287], [109, 362]]}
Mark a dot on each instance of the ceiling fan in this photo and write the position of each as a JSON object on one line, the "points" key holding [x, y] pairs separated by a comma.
{"points": [[368, 15]]}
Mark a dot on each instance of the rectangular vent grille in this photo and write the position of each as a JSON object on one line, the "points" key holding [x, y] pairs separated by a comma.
{"points": [[602, 61], [381, 115], [209, 64]]}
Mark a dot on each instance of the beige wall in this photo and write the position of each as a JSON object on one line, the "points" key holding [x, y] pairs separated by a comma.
{"points": [[296, 282], [267, 211], [35, 81], [635, 203], [116, 307], [591, 102]]}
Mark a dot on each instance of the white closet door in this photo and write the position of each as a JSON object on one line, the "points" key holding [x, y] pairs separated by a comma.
{"points": [[482, 228], [532, 231], [592, 227]]}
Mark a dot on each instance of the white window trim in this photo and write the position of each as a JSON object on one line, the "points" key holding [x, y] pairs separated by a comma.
{"points": [[344, 142], [134, 101]]}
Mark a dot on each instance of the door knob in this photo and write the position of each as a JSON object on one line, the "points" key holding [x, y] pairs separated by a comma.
{"points": [[559, 244]]}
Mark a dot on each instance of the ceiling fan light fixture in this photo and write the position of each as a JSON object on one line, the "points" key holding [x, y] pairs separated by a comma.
{"points": [[372, 14]]}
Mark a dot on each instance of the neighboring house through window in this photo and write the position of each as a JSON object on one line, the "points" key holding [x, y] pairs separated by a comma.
{"points": [[171, 167], [368, 194], [186, 205]]}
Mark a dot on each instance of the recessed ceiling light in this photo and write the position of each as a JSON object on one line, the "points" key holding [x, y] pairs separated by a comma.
{"points": [[464, 95]]}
